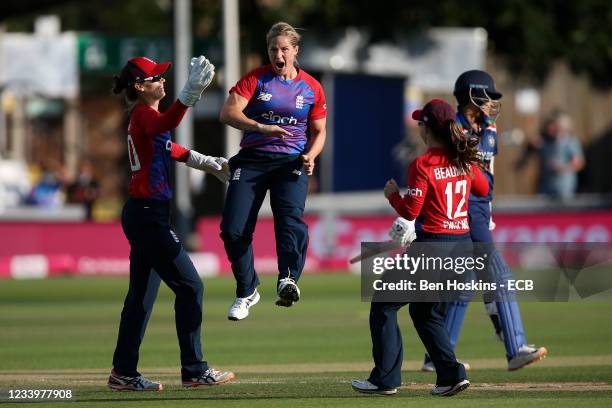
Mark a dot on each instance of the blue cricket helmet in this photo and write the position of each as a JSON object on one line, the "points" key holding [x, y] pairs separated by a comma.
{"points": [[476, 82]]}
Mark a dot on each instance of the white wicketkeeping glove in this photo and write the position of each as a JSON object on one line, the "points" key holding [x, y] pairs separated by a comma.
{"points": [[402, 231], [201, 74], [217, 166]]}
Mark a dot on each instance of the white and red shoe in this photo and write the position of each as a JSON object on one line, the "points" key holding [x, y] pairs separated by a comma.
{"points": [[118, 382]]}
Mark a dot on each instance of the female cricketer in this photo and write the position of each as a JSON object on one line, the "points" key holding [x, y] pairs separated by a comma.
{"points": [[479, 107], [282, 111], [435, 201], [155, 250]]}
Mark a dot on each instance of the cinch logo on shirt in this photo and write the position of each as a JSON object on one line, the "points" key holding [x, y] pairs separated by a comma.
{"points": [[283, 120], [263, 96], [416, 192]]}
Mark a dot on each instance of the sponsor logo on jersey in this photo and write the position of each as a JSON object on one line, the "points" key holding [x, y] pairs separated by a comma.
{"points": [[456, 225], [236, 175], [415, 192], [485, 156], [283, 120], [264, 96], [299, 102]]}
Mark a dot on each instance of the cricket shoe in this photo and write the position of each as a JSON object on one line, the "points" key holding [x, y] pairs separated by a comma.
{"points": [[429, 367], [527, 355], [209, 377], [288, 292], [450, 390], [367, 387], [240, 309], [118, 382]]}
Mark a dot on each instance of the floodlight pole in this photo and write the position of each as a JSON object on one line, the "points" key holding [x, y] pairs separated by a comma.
{"points": [[184, 133], [231, 53]]}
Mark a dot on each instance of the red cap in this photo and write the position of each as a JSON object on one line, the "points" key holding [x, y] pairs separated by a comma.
{"points": [[149, 68], [436, 114], [141, 67]]}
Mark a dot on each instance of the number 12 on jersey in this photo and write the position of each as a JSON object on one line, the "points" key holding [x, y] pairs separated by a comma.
{"points": [[460, 188]]}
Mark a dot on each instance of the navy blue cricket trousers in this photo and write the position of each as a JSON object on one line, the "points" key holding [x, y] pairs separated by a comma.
{"points": [[509, 311], [253, 173], [157, 253], [428, 320]]}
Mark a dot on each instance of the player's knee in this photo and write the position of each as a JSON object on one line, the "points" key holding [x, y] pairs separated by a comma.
{"points": [[196, 288], [421, 313], [233, 236]]}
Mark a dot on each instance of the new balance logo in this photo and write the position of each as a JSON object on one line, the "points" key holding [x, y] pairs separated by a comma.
{"points": [[174, 236], [263, 96], [236, 175], [299, 102], [416, 192], [283, 120]]}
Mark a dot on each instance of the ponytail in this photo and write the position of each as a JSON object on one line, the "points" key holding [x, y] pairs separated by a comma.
{"points": [[128, 90], [462, 147]]}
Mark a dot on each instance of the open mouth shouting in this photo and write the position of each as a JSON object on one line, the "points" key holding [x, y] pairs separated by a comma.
{"points": [[279, 65]]}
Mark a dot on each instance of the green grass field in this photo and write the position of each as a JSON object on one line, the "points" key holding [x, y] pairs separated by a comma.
{"points": [[60, 334]]}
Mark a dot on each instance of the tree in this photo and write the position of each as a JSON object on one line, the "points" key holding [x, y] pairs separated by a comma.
{"points": [[529, 35]]}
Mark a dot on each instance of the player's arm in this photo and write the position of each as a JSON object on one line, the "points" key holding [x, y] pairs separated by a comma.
{"points": [[232, 112], [316, 141], [155, 123], [201, 74], [217, 166], [480, 184], [410, 205], [316, 129]]}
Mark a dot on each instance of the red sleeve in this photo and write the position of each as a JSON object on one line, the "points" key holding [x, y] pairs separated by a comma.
{"points": [[179, 153], [480, 185], [247, 85], [319, 108], [410, 205], [155, 123]]}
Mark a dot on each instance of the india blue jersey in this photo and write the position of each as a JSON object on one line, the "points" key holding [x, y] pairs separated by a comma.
{"points": [[290, 104]]}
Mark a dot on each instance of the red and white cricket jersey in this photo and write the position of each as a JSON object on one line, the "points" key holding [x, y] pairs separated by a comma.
{"points": [[438, 193]]}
